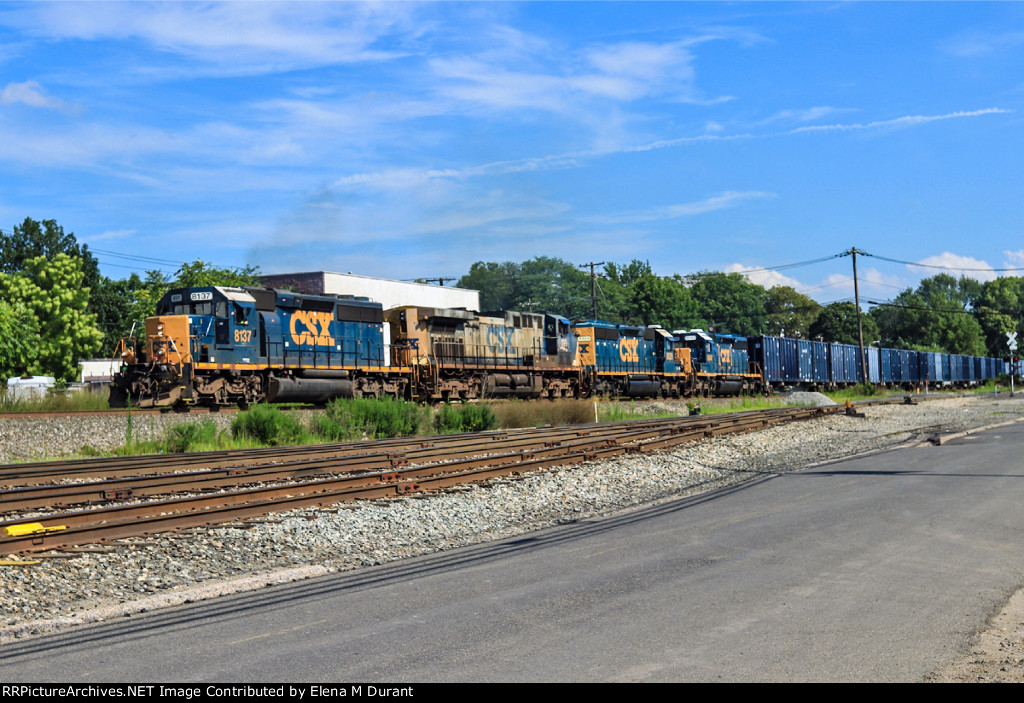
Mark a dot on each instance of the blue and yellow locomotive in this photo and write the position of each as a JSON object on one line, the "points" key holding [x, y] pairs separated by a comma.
{"points": [[218, 346], [631, 361]]}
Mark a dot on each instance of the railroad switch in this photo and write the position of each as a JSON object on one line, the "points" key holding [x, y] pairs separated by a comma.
{"points": [[850, 412]]}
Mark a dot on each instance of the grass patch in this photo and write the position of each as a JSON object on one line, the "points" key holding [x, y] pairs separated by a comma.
{"points": [[858, 392], [357, 418], [1002, 383], [532, 413], [270, 427], [455, 419], [619, 411], [188, 436], [55, 402], [717, 406]]}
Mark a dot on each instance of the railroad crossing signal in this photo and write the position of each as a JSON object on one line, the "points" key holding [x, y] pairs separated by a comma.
{"points": [[1011, 340]]}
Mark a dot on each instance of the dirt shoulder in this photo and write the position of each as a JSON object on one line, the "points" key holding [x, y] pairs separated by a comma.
{"points": [[996, 655]]}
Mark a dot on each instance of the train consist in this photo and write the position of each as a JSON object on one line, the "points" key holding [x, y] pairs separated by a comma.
{"points": [[223, 346]]}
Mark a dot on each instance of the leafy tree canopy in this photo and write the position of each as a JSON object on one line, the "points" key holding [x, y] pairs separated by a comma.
{"points": [[789, 312], [837, 322], [19, 339], [933, 317], [728, 302], [54, 294]]}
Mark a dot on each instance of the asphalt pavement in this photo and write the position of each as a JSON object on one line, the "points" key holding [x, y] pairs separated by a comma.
{"points": [[878, 568]]}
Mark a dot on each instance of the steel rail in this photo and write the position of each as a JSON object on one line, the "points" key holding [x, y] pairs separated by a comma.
{"points": [[63, 495], [157, 516], [141, 465]]}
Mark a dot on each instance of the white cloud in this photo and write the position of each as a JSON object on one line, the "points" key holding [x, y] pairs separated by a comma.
{"points": [[1014, 259], [806, 115], [906, 121], [32, 94], [621, 72], [110, 234], [962, 265], [979, 43], [719, 202], [765, 277], [247, 36]]}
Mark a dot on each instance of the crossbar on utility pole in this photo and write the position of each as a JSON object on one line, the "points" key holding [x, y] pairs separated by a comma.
{"points": [[856, 301], [593, 284]]}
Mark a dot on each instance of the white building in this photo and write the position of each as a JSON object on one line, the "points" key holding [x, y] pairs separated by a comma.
{"points": [[390, 294], [98, 372], [28, 387]]}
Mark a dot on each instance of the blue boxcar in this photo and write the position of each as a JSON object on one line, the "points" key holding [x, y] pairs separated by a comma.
{"points": [[786, 361], [874, 364], [819, 353], [836, 362], [789, 354], [805, 360], [911, 364], [764, 351], [851, 354]]}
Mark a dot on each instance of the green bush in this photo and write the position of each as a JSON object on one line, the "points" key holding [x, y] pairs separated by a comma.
{"points": [[268, 426], [453, 419], [376, 418], [186, 436]]}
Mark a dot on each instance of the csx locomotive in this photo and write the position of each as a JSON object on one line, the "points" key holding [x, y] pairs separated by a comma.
{"points": [[217, 346]]}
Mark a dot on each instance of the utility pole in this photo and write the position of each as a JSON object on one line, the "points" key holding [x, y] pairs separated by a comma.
{"points": [[593, 284], [856, 301]]}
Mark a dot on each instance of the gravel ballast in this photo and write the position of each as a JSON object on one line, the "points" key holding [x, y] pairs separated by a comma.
{"points": [[172, 569]]}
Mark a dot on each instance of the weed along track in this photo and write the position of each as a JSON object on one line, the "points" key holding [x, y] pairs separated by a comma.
{"points": [[222, 488]]}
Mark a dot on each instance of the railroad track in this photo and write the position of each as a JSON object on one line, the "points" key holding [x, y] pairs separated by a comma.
{"points": [[248, 484]]}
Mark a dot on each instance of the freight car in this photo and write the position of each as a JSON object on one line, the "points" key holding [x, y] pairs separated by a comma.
{"points": [[218, 346], [806, 364]]}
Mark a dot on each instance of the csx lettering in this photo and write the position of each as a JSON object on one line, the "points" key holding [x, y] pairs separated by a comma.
{"points": [[627, 349], [310, 327], [499, 337]]}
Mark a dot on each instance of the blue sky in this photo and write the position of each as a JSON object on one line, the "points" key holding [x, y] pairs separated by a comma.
{"points": [[410, 139]]}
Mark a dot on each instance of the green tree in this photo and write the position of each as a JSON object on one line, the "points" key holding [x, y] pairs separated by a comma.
{"points": [[900, 323], [999, 308], [496, 283], [32, 239], [837, 322], [200, 273], [789, 312], [19, 340], [728, 302], [654, 300], [933, 317], [54, 294], [113, 305]]}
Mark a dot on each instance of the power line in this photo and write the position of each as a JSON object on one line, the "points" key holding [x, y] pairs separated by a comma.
{"points": [[798, 264], [936, 266], [963, 311], [136, 257]]}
